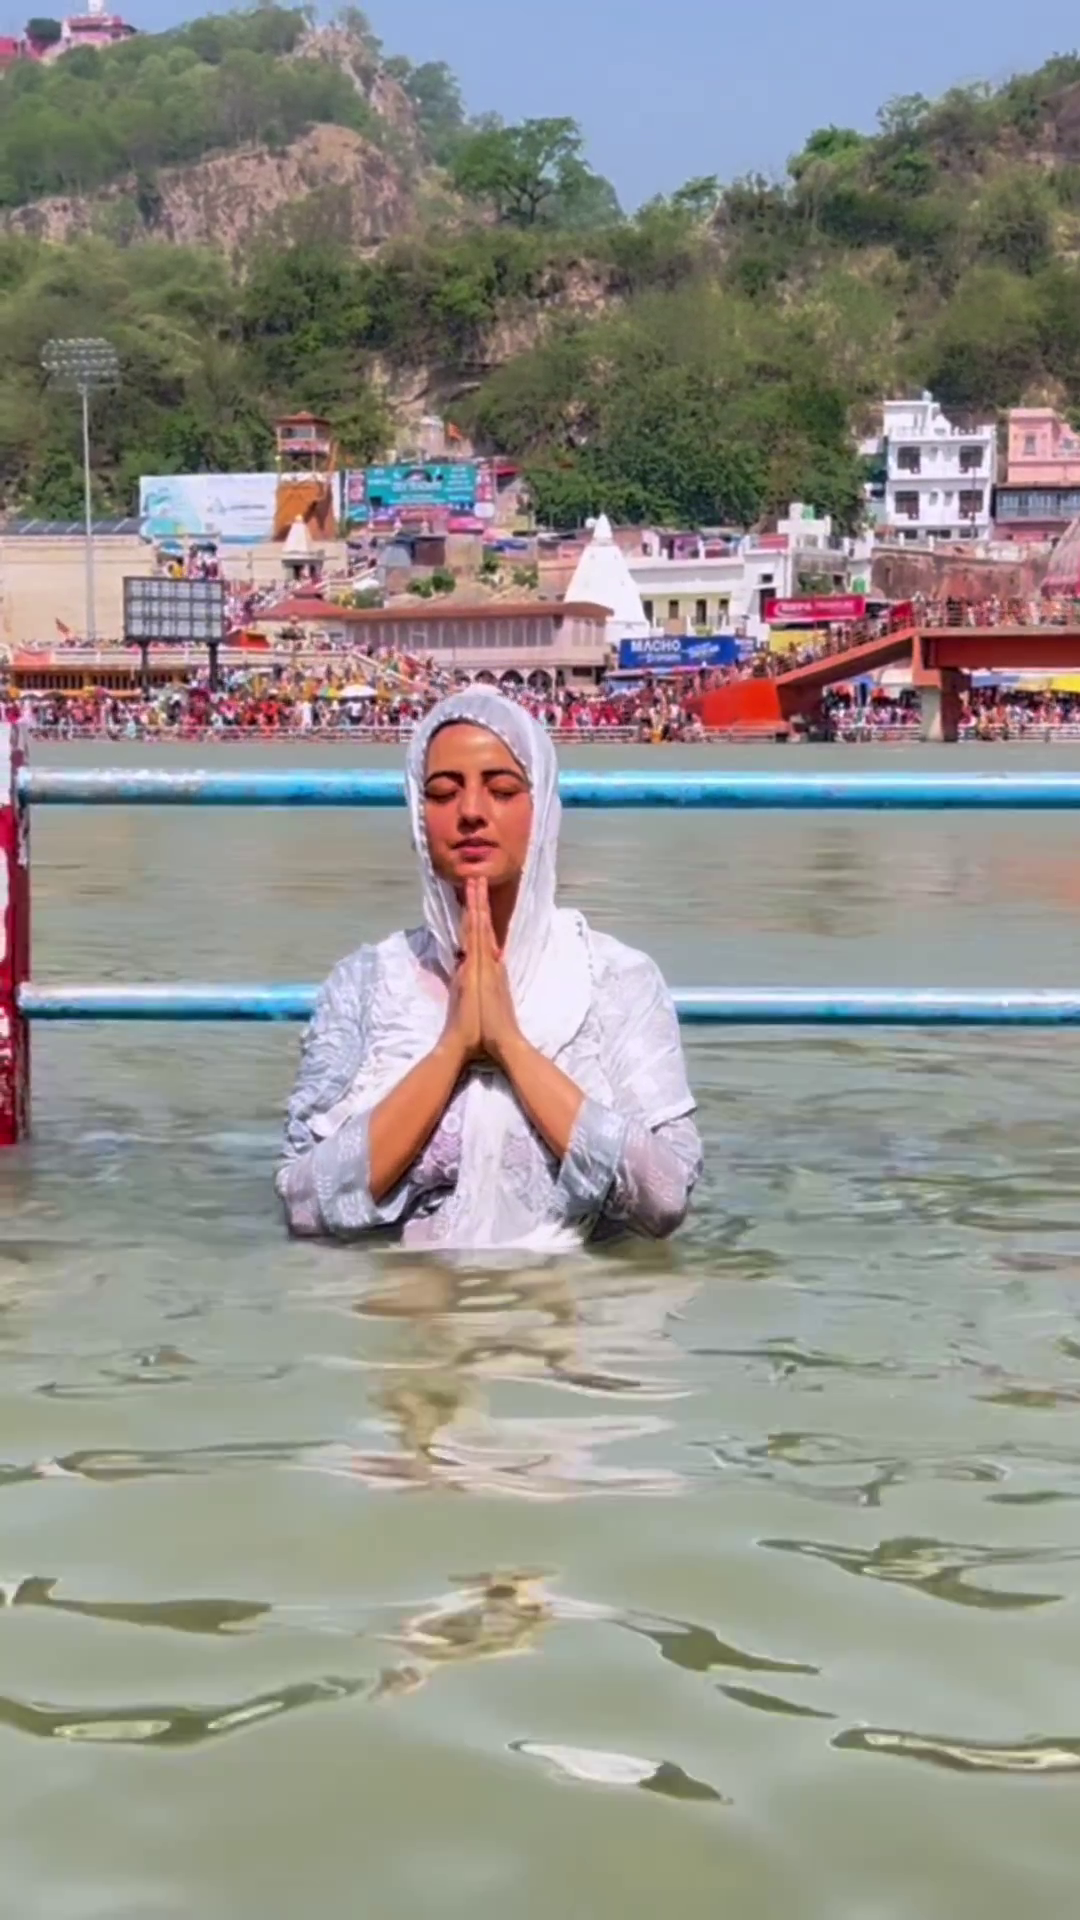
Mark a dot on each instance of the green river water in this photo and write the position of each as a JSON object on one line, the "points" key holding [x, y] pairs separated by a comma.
{"points": [[737, 1576]]}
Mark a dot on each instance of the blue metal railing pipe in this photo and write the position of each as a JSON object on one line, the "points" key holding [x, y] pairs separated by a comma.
{"points": [[697, 1006], [750, 792]]}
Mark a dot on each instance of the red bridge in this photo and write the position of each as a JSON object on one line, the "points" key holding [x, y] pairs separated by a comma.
{"points": [[940, 656]]}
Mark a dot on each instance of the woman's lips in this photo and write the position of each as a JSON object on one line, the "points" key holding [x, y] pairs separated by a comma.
{"points": [[474, 851]]}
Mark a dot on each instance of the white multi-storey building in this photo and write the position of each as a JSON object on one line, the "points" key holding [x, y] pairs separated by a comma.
{"points": [[939, 480], [686, 588]]}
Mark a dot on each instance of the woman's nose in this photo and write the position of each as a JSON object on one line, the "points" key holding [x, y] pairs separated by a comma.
{"points": [[472, 806]]}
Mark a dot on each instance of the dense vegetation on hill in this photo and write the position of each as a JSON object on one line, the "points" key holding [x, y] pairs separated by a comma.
{"points": [[706, 359], [221, 82], [161, 100]]}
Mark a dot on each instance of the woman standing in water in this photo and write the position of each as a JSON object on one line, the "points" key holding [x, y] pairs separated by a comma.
{"points": [[503, 1076]]}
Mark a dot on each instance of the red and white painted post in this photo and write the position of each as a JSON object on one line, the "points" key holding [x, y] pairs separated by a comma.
{"points": [[14, 943]]}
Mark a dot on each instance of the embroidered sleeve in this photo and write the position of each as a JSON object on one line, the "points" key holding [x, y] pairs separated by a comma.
{"points": [[636, 1161], [323, 1180]]}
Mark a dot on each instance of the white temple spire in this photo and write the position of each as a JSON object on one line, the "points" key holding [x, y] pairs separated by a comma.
{"points": [[603, 579]]}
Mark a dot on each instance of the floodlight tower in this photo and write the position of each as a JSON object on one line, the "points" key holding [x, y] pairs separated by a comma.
{"points": [[83, 367]]}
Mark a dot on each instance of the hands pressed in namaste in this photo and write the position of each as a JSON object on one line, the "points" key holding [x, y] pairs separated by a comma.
{"points": [[481, 1019]]}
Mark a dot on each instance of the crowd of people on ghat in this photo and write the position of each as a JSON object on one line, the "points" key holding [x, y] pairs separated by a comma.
{"points": [[987, 714], [996, 610], [385, 693], [265, 703], [351, 698]]}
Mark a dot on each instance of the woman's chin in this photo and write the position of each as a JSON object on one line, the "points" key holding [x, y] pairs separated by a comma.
{"points": [[485, 866]]}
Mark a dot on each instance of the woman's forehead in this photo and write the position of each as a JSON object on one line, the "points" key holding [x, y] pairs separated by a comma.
{"points": [[462, 745]]}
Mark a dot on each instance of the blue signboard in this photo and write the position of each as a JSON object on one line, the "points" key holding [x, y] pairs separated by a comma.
{"points": [[677, 652]]}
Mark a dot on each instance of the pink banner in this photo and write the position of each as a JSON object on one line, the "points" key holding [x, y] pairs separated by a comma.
{"points": [[818, 608]]}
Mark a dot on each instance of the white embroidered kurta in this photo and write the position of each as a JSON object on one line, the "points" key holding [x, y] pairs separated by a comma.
{"points": [[633, 1158]]}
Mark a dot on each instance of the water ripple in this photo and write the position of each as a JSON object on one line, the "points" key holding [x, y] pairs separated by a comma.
{"points": [[168, 1725], [937, 1567], [698, 1649], [965, 1756], [115, 1464], [531, 1459], [773, 1703], [806, 1464], [198, 1615], [595, 1767]]}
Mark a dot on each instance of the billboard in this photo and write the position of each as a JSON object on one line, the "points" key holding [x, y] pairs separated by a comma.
{"points": [[677, 652], [382, 495], [817, 608], [234, 509], [190, 612]]}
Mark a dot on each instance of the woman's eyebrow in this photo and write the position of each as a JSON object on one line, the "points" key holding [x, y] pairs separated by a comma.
{"points": [[487, 773]]}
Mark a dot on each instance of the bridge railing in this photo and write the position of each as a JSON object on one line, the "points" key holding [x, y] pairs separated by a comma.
{"points": [[1033, 614], [23, 1000]]}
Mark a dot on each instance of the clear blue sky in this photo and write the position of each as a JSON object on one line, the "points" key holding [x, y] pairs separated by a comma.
{"points": [[666, 91]]}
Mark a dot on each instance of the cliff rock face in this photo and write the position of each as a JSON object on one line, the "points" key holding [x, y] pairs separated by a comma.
{"points": [[340, 47], [331, 180]]}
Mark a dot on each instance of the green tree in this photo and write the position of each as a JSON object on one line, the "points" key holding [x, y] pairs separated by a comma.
{"points": [[903, 115], [527, 172], [697, 198], [829, 144], [1015, 225], [435, 93], [985, 348], [55, 486]]}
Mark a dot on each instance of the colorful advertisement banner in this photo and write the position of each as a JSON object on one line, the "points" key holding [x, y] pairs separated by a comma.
{"points": [[818, 607], [378, 495], [793, 640], [235, 509], [676, 652]]}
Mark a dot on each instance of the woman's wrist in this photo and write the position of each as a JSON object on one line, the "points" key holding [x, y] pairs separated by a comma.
{"points": [[512, 1052], [451, 1054]]}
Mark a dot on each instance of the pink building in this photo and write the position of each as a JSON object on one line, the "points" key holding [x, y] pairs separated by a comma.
{"points": [[1040, 494], [1044, 451], [94, 28]]}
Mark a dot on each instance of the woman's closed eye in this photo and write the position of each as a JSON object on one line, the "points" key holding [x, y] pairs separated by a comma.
{"points": [[501, 786], [441, 790]]}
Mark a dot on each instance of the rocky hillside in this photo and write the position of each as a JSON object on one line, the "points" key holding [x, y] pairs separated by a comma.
{"points": [[329, 181]]}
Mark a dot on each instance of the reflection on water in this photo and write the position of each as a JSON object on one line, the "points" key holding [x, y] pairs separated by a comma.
{"points": [[937, 1567], [650, 1626], [619, 1770], [596, 1331], [165, 1726], [964, 1756], [181, 1616]]}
